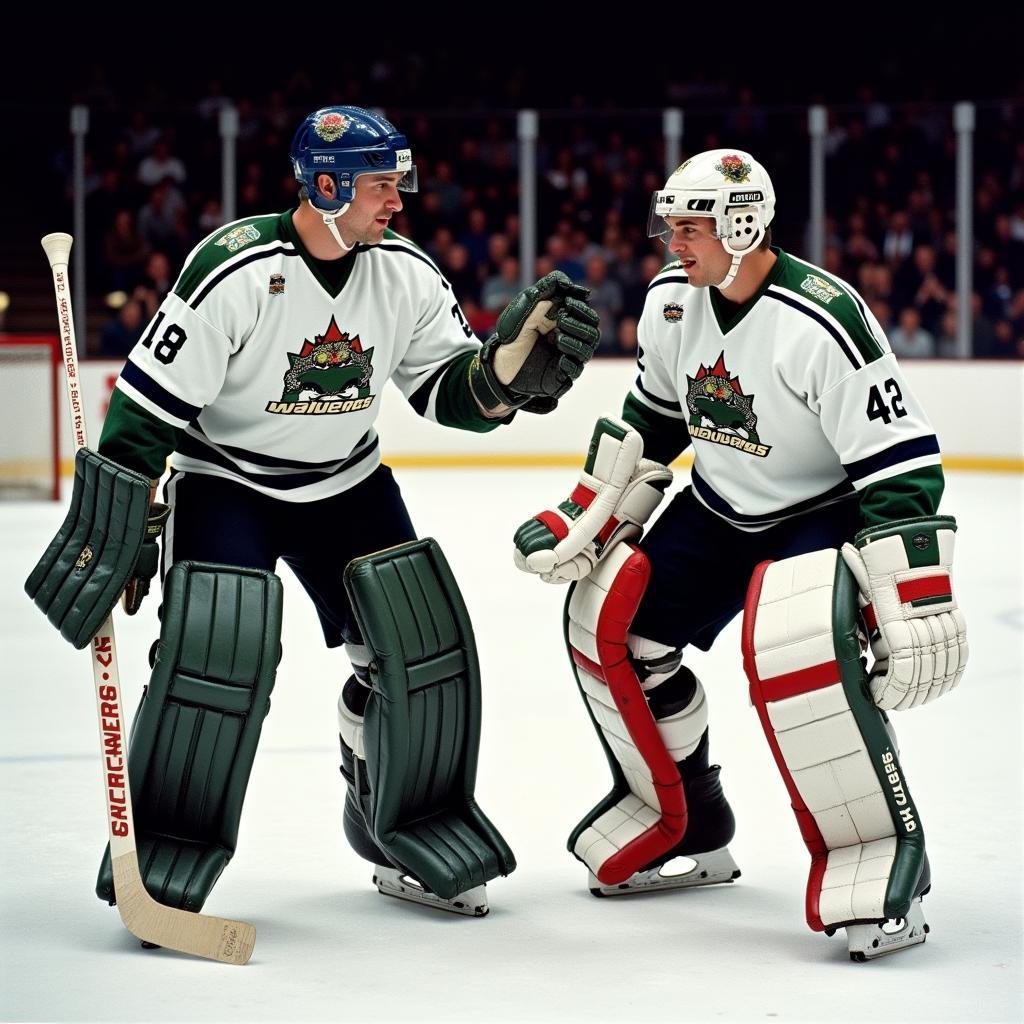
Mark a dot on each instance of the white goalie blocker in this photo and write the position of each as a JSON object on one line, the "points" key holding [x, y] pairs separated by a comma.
{"points": [[836, 753]]}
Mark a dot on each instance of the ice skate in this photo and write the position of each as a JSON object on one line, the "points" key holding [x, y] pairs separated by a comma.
{"points": [[679, 873], [392, 882], [870, 941]]}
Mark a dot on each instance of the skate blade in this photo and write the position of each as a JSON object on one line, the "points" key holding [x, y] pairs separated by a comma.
{"points": [[392, 882], [679, 873], [870, 941]]}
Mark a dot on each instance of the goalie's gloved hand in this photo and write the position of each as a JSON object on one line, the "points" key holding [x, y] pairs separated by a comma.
{"points": [[617, 493], [916, 628], [544, 338], [149, 558]]}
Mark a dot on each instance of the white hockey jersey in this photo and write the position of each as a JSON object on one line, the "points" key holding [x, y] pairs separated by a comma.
{"points": [[792, 401], [274, 376]]}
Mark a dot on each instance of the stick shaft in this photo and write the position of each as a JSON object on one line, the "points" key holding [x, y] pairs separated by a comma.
{"points": [[200, 934]]}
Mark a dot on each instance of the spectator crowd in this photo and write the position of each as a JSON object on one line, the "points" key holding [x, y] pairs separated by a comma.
{"points": [[153, 187]]}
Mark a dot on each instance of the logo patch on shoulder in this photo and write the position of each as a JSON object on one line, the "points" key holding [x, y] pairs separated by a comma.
{"points": [[237, 237], [821, 289], [277, 284], [673, 312]]}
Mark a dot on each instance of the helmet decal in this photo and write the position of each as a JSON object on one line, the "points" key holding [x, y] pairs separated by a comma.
{"points": [[344, 142], [727, 185], [331, 125], [734, 168]]}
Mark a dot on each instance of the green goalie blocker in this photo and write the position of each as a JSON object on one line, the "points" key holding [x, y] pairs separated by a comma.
{"points": [[421, 728], [85, 567], [196, 731]]}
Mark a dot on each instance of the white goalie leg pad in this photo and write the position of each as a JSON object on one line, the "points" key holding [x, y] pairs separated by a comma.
{"points": [[350, 724], [832, 746], [645, 814]]}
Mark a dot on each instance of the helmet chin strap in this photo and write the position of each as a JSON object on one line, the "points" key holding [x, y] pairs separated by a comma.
{"points": [[734, 269], [737, 256], [329, 219]]}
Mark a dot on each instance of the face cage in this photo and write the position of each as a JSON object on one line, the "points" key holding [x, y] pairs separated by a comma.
{"points": [[737, 224]]}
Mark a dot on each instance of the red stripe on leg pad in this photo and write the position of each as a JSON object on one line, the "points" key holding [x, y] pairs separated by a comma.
{"points": [[870, 618], [927, 586], [588, 666], [614, 619], [817, 677], [607, 530], [554, 522], [583, 496], [809, 831]]}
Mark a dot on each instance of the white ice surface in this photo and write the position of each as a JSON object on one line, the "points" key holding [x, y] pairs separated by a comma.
{"points": [[330, 948]]}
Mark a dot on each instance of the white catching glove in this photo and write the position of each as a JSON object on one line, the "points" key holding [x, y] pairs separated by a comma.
{"points": [[918, 633], [617, 492]]}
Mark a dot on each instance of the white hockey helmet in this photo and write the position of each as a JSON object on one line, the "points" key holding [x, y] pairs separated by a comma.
{"points": [[726, 184]]}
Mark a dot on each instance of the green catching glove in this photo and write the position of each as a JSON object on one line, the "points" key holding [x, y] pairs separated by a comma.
{"points": [[544, 338]]}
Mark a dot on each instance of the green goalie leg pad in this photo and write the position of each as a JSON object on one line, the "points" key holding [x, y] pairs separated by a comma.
{"points": [[421, 726], [196, 731]]}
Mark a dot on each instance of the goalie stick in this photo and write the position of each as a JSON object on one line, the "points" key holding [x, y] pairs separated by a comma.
{"points": [[215, 938]]}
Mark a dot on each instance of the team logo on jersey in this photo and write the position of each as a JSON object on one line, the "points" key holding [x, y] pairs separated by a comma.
{"points": [[237, 237], [735, 169], [329, 375], [277, 284], [822, 290], [720, 412], [673, 312], [331, 126]]}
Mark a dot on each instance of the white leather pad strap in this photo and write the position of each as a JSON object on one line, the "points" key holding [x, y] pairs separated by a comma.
{"points": [[645, 814], [830, 743]]}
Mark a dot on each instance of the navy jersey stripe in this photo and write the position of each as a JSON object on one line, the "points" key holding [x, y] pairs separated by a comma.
{"points": [[195, 448], [655, 400], [271, 461], [277, 250], [408, 252], [840, 340], [667, 280], [421, 396], [158, 395], [895, 455], [718, 504]]}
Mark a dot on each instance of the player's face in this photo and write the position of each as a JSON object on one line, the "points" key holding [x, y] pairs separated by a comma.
{"points": [[702, 255], [376, 201]]}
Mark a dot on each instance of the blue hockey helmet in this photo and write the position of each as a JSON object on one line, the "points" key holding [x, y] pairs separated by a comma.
{"points": [[345, 142]]}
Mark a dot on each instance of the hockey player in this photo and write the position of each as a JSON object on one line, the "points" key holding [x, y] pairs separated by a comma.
{"points": [[261, 378], [811, 455]]}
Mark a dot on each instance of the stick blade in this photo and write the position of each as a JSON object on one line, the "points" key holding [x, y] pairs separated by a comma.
{"points": [[57, 246], [215, 938]]}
